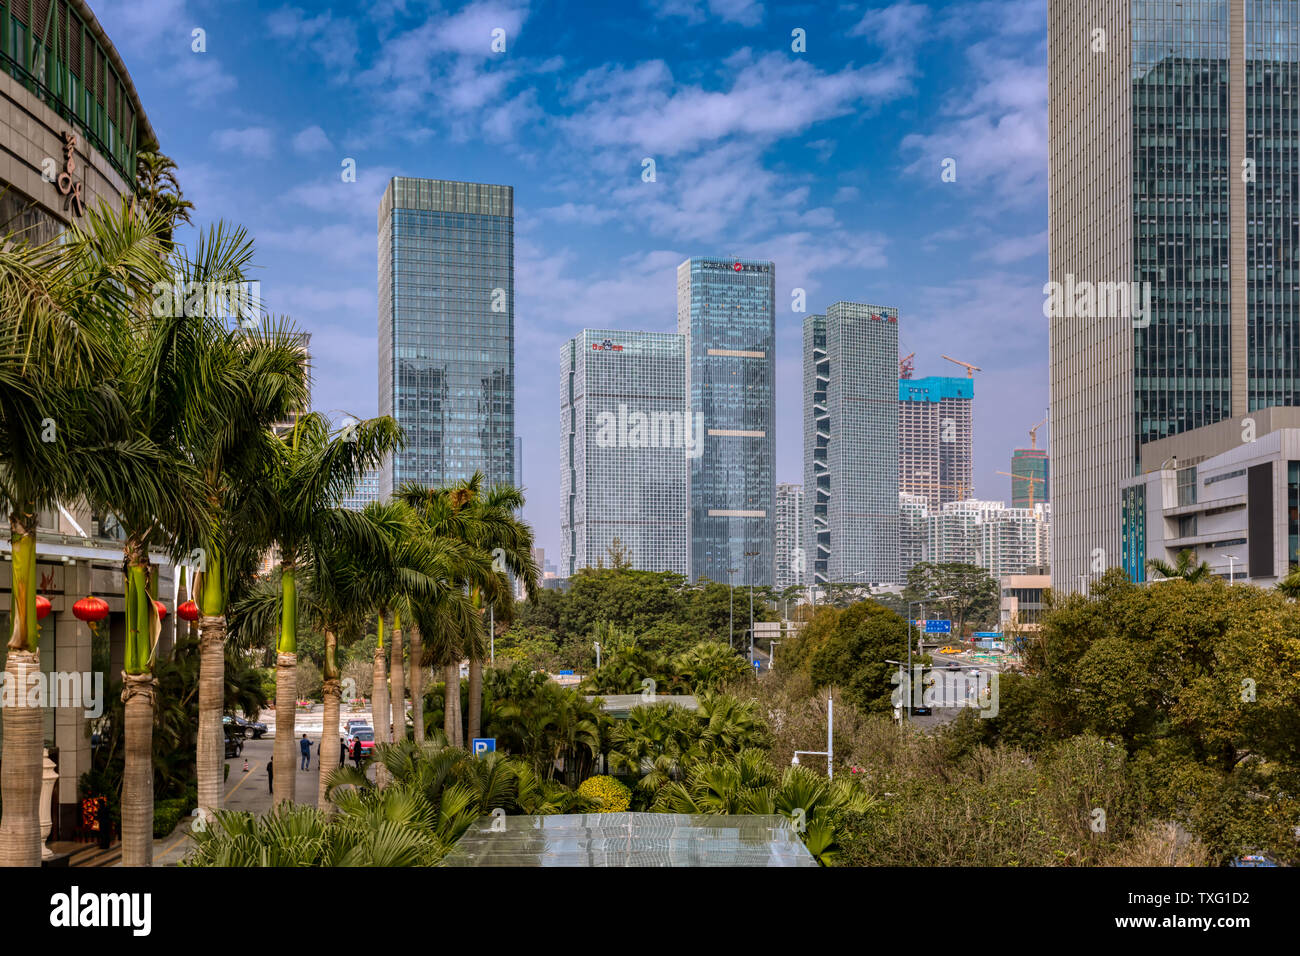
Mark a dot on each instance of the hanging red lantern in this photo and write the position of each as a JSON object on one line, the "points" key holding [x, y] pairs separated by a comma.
{"points": [[161, 608], [90, 609], [189, 611], [42, 607]]}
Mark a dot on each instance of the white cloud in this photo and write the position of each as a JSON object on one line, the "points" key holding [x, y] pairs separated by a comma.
{"points": [[898, 24], [255, 142], [333, 41], [311, 140], [1015, 248], [747, 13]]}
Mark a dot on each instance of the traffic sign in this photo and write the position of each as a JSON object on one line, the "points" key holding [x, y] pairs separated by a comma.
{"points": [[566, 674], [483, 745], [757, 664], [938, 627]]}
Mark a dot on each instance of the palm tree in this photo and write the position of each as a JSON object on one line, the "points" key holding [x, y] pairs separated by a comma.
{"points": [[487, 521], [64, 304], [1186, 568], [310, 473], [1289, 586], [232, 391], [159, 191]]}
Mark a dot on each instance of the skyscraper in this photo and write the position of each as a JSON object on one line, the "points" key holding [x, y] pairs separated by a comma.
{"points": [[1172, 248], [850, 381], [790, 555], [726, 311], [936, 438], [447, 329], [626, 438]]}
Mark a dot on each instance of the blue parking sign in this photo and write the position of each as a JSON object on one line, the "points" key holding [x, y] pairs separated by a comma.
{"points": [[938, 627], [483, 745]]}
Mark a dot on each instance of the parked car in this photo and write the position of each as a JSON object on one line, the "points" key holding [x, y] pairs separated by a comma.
{"points": [[365, 734], [353, 723], [234, 745]]}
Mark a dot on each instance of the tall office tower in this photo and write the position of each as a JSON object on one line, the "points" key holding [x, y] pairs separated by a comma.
{"points": [[626, 440], [956, 531], [1173, 152], [791, 560], [850, 387], [726, 311], [936, 438], [1030, 477], [913, 532], [447, 329]]}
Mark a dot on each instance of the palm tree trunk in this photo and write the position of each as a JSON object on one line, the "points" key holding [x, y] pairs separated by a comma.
{"points": [[451, 704], [329, 741], [286, 709], [380, 709], [20, 771], [475, 699], [399, 682], [210, 750], [137, 778], [417, 685], [20, 761]]}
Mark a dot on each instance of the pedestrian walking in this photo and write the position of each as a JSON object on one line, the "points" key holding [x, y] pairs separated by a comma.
{"points": [[356, 753], [270, 776], [304, 748]]}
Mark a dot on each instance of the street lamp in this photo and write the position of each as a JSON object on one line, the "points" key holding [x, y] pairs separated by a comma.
{"points": [[910, 605], [731, 610], [829, 752], [750, 568], [1232, 568]]}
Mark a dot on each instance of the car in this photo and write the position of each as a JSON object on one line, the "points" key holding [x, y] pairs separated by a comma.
{"points": [[365, 734], [354, 723], [234, 745], [246, 728]]}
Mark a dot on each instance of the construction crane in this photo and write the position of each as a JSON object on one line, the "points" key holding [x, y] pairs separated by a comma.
{"points": [[906, 366], [1029, 478], [1033, 435], [970, 369]]}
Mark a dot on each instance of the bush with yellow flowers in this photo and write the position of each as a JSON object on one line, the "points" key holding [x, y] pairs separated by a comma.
{"points": [[612, 796]]}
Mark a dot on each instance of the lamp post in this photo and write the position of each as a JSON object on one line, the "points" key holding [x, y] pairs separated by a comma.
{"points": [[1232, 568], [910, 604], [750, 569], [829, 752], [731, 610]]}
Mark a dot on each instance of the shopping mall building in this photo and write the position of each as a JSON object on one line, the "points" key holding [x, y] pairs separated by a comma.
{"points": [[70, 125]]}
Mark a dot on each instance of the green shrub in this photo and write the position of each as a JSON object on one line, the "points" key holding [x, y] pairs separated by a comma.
{"points": [[166, 814]]}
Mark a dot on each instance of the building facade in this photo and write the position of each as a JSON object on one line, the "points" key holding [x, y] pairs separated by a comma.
{"points": [[626, 438], [726, 313], [913, 532], [71, 127], [990, 535], [1172, 249], [936, 438], [366, 491], [850, 382], [1030, 477], [447, 330], [791, 560]]}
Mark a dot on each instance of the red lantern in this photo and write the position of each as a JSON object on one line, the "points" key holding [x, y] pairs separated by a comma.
{"points": [[42, 607], [90, 609], [189, 611], [162, 610]]}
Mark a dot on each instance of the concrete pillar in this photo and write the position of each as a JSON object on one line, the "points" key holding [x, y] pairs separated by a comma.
{"points": [[72, 655]]}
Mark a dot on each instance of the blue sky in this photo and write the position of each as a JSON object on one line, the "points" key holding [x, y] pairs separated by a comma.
{"points": [[828, 162]]}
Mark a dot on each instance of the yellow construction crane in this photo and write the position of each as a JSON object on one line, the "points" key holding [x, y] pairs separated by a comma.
{"points": [[970, 369], [1033, 435], [1029, 478]]}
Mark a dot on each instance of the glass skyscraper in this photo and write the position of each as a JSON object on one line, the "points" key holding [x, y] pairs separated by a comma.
{"points": [[726, 311], [1173, 162], [850, 389], [625, 440], [447, 329]]}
